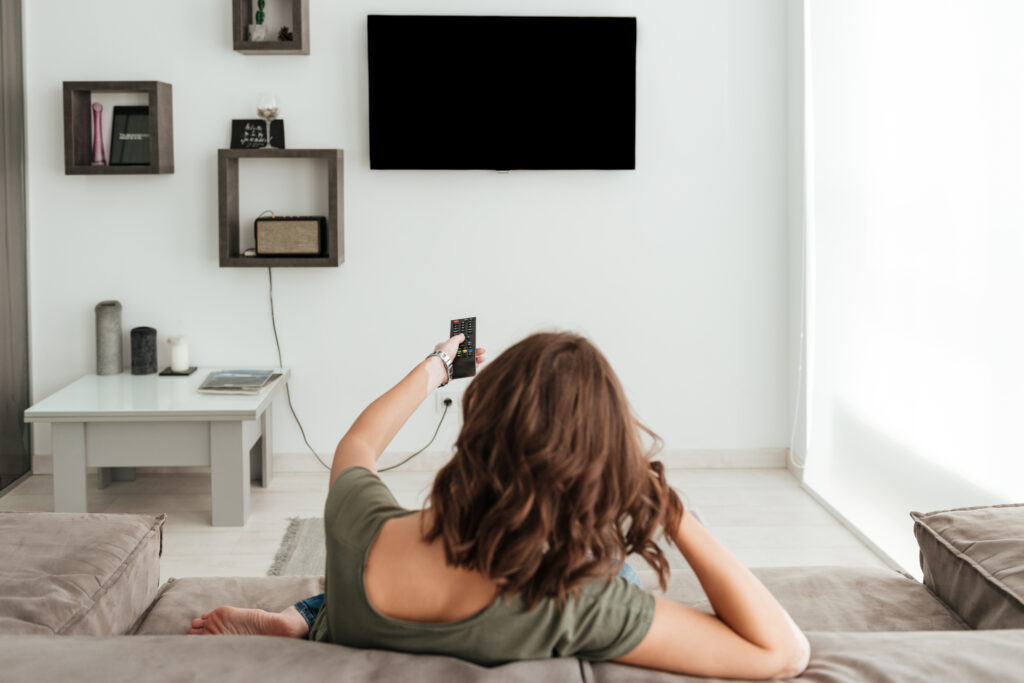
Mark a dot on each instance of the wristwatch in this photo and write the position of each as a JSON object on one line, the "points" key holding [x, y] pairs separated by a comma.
{"points": [[447, 364]]}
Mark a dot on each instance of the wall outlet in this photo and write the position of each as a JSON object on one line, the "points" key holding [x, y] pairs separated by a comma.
{"points": [[441, 394]]}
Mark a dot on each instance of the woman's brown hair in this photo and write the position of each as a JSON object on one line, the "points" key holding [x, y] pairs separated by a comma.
{"points": [[551, 484]]}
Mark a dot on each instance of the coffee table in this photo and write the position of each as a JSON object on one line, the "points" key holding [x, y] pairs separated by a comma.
{"points": [[125, 420]]}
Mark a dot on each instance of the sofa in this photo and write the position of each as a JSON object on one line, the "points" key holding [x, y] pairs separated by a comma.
{"points": [[81, 599]]}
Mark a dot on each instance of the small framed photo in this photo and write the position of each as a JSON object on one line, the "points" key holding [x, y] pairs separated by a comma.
{"points": [[252, 134], [129, 136]]}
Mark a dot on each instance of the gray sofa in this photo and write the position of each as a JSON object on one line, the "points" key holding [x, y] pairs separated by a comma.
{"points": [[80, 600]]}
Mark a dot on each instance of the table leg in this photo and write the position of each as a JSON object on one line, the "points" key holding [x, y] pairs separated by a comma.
{"points": [[69, 467], [267, 447], [229, 474]]}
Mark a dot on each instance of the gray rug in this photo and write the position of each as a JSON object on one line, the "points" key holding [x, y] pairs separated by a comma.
{"points": [[302, 551]]}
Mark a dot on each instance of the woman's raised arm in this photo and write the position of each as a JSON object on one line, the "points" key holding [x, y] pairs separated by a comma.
{"points": [[749, 636], [377, 425]]}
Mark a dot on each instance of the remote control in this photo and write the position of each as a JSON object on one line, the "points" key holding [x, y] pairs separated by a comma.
{"points": [[464, 363]]}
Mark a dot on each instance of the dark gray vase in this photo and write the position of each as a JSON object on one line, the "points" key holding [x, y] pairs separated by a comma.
{"points": [[143, 351], [109, 359]]}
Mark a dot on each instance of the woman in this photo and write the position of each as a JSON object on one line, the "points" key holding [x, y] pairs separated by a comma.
{"points": [[515, 557]]}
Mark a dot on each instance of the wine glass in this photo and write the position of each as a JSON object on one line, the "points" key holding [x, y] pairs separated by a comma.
{"points": [[267, 110]]}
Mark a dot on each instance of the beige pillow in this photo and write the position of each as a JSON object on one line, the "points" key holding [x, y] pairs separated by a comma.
{"points": [[77, 574], [973, 559]]}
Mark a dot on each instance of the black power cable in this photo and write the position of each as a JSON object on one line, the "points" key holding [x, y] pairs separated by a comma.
{"points": [[447, 404], [288, 393]]}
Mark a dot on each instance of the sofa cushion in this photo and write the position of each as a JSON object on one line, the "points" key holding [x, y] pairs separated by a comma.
{"points": [[973, 558], [77, 574], [181, 600], [905, 657], [244, 659], [840, 598]]}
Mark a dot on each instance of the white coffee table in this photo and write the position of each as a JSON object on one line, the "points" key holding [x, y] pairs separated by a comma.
{"points": [[125, 420]]}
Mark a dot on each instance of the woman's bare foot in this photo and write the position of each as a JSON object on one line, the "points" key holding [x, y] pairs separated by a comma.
{"points": [[287, 623]]}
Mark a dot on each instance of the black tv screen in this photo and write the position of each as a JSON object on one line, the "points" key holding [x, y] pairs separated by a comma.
{"points": [[469, 92]]}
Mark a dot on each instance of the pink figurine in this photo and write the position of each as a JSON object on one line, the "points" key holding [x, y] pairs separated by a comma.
{"points": [[98, 157]]}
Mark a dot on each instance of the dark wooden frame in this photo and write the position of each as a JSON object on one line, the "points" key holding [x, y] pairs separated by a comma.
{"points": [[15, 435], [78, 127], [227, 193], [242, 16]]}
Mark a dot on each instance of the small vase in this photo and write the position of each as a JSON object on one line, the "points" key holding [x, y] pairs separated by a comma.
{"points": [[108, 338], [257, 33], [143, 351], [99, 158]]}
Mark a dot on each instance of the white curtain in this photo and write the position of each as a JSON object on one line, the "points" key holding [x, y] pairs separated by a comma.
{"points": [[915, 176]]}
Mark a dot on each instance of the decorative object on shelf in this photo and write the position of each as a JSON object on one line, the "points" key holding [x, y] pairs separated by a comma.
{"points": [[108, 338], [257, 31], [179, 353], [129, 137], [291, 235], [143, 351], [79, 149], [98, 157], [231, 227], [252, 134], [250, 36], [267, 110]]}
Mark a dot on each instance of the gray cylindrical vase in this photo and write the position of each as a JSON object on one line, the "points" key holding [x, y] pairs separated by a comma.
{"points": [[143, 351], [108, 338]]}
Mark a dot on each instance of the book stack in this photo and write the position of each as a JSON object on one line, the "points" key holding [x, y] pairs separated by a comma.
{"points": [[237, 381]]}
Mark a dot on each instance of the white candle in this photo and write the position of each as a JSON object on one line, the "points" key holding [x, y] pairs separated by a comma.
{"points": [[179, 354]]}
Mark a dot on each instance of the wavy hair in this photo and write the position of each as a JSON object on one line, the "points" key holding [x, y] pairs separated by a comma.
{"points": [[551, 484]]}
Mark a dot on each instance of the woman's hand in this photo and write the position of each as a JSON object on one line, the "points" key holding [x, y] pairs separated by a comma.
{"points": [[451, 347]]}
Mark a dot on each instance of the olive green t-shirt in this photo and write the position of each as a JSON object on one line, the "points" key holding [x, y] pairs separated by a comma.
{"points": [[607, 619]]}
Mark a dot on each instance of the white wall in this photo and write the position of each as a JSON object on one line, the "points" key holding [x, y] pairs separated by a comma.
{"points": [[918, 386], [677, 270]]}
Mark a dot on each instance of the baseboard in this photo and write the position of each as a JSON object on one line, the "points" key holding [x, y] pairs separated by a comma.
{"points": [[733, 458], [882, 555], [795, 468]]}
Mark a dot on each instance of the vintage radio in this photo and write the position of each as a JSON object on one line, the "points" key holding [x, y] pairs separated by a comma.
{"points": [[291, 236]]}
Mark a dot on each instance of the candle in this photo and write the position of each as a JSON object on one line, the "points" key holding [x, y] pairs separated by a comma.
{"points": [[179, 354]]}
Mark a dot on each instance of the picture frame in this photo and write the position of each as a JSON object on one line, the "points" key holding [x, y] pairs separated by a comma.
{"points": [[130, 136], [252, 133]]}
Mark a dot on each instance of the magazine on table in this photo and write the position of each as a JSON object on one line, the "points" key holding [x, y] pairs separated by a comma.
{"points": [[237, 381]]}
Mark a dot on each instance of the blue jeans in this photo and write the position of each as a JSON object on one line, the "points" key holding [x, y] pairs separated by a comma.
{"points": [[310, 607]]}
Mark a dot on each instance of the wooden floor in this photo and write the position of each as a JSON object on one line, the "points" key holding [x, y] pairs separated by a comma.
{"points": [[762, 515]]}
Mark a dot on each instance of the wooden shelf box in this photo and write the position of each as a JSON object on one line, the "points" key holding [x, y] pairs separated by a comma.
{"points": [[78, 126], [243, 14], [228, 196]]}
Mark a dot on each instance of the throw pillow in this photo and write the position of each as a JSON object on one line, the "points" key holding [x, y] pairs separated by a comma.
{"points": [[973, 559]]}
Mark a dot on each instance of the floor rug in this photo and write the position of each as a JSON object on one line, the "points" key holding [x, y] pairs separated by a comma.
{"points": [[302, 551]]}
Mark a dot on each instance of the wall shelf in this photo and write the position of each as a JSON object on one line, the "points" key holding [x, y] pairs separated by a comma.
{"points": [[228, 196], [242, 15], [78, 126]]}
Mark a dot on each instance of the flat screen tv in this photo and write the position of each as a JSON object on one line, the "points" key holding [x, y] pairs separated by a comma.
{"points": [[484, 92]]}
